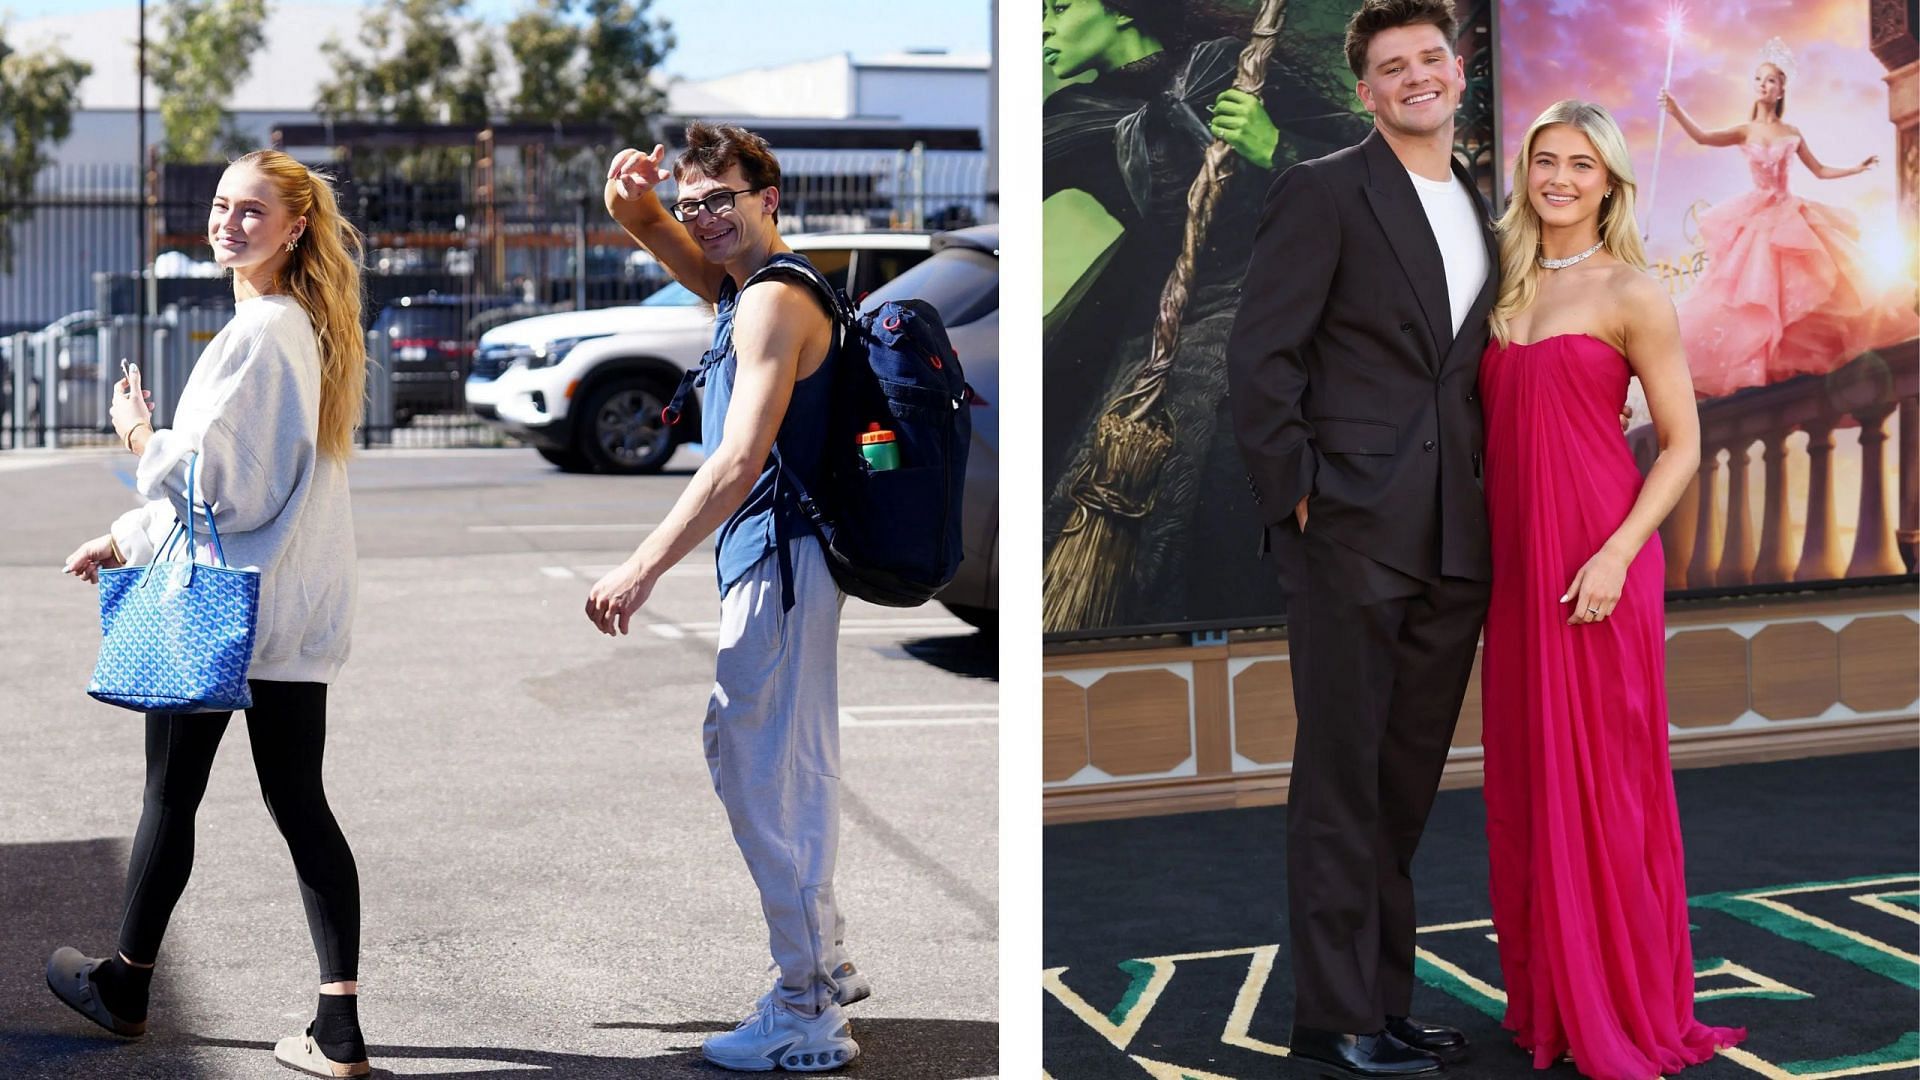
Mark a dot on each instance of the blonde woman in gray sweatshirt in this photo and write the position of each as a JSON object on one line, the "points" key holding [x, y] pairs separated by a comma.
{"points": [[269, 411]]}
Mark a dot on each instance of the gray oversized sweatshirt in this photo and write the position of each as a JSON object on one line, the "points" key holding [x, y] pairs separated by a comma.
{"points": [[251, 410]]}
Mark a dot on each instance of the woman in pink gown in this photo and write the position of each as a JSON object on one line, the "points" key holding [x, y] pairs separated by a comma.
{"points": [[1588, 880], [1785, 292]]}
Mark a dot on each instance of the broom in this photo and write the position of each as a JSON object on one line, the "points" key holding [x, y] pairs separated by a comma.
{"points": [[1114, 488]]}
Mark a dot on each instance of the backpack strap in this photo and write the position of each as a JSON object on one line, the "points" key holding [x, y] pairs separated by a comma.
{"points": [[817, 520], [783, 264], [695, 377], [786, 264], [841, 313]]}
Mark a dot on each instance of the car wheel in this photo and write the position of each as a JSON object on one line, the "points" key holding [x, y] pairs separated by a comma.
{"points": [[621, 430], [984, 619], [568, 460]]}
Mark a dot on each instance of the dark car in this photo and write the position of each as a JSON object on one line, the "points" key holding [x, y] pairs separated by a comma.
{"points": [[430, 343]]}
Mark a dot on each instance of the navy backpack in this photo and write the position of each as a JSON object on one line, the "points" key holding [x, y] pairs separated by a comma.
{"points": [[891, 537]]}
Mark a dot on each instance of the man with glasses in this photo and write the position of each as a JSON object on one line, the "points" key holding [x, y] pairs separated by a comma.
{"points": [[771, 731]]}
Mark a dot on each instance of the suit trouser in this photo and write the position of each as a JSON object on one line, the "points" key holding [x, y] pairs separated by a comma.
{"points": [[772, 736], [1380, 664]]}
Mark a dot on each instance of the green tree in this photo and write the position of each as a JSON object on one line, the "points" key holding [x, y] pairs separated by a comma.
{"points": [[410, 68], [38, 94], [204, 50], [590, 61]]}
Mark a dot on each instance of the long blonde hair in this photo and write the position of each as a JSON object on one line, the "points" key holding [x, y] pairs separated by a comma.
{"points": [[1519, 227], [323, 275]]}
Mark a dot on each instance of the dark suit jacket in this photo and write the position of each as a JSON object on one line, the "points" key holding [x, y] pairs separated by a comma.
{"points": [[1346, 381]]}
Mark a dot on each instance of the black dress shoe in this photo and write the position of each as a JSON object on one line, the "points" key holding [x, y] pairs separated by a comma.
{"points": [[1358, 1057], [1443, 1042]]}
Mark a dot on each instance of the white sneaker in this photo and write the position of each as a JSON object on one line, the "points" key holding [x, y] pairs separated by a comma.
{"points": [[849, 985], [776, 1037]]}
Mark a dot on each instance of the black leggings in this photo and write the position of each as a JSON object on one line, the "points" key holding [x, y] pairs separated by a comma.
{"points": [[288, 728]]}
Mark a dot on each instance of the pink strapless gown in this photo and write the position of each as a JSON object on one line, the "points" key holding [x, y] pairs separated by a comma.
{"points": [[1784, 292], [1588, 879]]}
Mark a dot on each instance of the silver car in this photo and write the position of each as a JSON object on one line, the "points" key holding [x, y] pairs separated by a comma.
{"points": [[961, 279]]}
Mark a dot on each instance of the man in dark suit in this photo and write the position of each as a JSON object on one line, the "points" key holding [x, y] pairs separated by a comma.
{"points": [[1352, 372]]}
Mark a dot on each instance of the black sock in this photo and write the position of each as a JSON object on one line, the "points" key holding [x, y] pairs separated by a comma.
{"points": [[336, 1028], [123, 988]]}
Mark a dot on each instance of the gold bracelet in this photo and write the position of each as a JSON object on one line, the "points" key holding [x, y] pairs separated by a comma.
{"points": [[114, 546], [134, 428]]}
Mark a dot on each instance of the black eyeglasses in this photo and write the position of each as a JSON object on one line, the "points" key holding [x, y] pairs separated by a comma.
{"points": [[720, 202]]}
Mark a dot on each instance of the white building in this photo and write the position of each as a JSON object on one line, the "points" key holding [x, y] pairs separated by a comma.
{"points": [[912, 123], [907, 90]]}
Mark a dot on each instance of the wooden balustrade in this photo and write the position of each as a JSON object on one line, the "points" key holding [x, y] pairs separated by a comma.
{"points": [[1715, 532]]}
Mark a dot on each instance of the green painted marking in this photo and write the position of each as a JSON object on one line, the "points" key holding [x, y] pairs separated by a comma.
{"points": [[1449, 983], [1142, 973], [1748, 990], [1786, 926], [1904, 1050], [1906, 899]]}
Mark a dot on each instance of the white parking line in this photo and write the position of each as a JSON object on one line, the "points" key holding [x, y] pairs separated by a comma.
{"points": [[891, 629], [552, 528], [887, 716], [595, 573]]}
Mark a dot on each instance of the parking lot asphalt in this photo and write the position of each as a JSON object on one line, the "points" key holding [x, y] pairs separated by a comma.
{"points": [[548, 882]]}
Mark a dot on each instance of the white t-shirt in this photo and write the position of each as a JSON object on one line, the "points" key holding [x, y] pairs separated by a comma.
{"points": [[1455, 221]]}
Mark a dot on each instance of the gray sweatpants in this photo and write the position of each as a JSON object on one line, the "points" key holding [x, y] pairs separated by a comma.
{"points": [[773, 745]]}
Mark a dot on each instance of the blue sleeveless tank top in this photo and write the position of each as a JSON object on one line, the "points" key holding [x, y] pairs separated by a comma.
{"points": [[771, 515]]}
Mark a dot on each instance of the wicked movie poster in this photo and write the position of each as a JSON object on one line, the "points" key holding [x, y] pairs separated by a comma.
{"points": [[1149, 523], [1770, 197]]}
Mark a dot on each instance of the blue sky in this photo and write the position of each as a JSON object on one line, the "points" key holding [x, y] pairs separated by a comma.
{"points": [[716, 37]]}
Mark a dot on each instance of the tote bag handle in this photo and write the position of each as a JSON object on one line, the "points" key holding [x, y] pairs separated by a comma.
{"points": [[179, 529]]}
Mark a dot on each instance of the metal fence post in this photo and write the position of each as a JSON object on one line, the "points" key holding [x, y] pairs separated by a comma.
{"points": [[377, 426], [159, 378], [580, 255], [919, 186], [18, 401]]}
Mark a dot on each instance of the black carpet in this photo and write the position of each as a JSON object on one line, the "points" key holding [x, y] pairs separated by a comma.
{"points": [[1829, 989]]}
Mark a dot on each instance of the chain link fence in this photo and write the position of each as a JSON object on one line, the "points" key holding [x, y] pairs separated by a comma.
{"points": [[447, 258]]}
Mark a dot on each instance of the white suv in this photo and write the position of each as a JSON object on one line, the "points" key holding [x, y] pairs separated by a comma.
{"points": [[586, 388]]}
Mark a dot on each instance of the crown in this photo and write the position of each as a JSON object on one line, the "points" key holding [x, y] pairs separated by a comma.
{"points": [[1775, 52]]}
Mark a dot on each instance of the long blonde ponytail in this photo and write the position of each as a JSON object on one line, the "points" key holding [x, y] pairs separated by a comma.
{"points": [[1519, 227], [323, 276]]}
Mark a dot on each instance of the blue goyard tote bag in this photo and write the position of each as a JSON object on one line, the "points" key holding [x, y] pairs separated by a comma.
{"points": [[177, 636]]}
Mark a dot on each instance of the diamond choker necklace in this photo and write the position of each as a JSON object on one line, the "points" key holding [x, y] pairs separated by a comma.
{"points": [[1561, 264]]}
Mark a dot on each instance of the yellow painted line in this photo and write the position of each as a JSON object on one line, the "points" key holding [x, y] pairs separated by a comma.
{"points": [[1758, 1064], [1862, 1071], [1454, 970], [1897, 879], [1244, 1003], [1760, 984], [1442, 928], [1117, 1034], [1240, 1021], [1851, 935], [1877, 902], [1160, 1070], [1774, 1072]]}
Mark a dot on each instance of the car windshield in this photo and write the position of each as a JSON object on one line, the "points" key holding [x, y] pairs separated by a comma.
{"points": [[962, 285], [673, 294], [425, 322]]}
